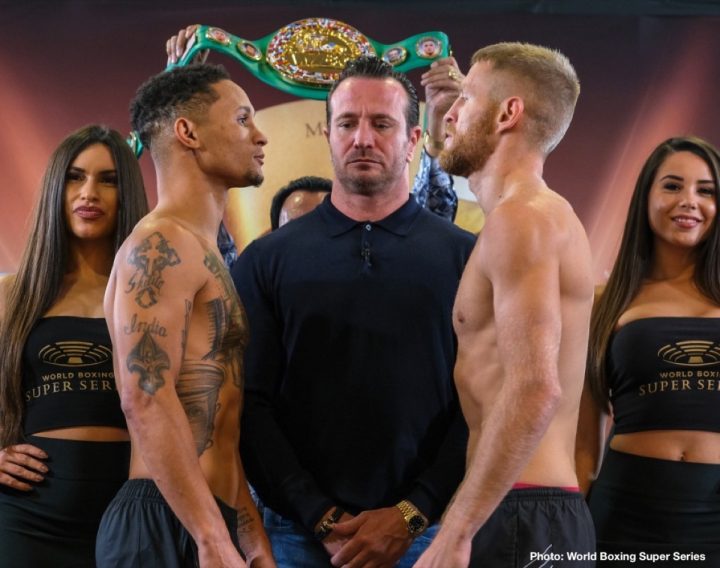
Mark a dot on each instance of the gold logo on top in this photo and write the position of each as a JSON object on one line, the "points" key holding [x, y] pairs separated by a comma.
{"points": [[314, 51], [75, 354], [693, 353]]}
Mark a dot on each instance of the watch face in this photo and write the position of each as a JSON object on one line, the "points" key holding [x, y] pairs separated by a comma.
{"points": [[416, 524]]}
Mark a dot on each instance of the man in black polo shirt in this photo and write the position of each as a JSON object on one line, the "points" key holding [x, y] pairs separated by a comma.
{"points": [[352, 433]]}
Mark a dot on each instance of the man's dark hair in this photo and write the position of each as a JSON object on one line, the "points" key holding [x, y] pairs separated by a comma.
{"points": [[370, 67], [167, 95], [308, 183]]}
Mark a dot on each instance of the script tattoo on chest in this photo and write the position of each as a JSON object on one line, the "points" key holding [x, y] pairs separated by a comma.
{"points": [[149, 361], [150, 258]]}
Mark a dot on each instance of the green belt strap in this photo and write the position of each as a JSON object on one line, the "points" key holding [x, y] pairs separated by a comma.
{"points": [[305, 57]]}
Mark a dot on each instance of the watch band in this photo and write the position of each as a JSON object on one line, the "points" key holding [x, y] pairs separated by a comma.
{"points": [[327, 523], [415, 521]]}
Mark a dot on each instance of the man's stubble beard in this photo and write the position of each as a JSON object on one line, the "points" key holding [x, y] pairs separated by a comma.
{"points": [[362, 185], [255, 179], [369, 186], [471, 150], [251, 178]]}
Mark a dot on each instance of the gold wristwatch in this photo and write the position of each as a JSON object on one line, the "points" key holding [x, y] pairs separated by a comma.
{"points": [[416, 522]]}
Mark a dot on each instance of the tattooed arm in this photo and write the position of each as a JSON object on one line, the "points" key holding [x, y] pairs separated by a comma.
{"points": [[251, 534], [156, 275]]}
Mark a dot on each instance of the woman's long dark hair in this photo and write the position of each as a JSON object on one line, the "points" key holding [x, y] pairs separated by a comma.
{"points": [[44, 262], [634, 260]]}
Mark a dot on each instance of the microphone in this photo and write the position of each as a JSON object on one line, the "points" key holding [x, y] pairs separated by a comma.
{"points": [[365, 254]]}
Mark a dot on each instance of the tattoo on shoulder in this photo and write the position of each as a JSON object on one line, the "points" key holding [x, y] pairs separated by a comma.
{"points": [[212, 263], [149, 361], [218, 270], [150, 258]]}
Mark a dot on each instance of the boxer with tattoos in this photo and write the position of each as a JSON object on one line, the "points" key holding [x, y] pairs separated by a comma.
{"points": [[179, 333]]}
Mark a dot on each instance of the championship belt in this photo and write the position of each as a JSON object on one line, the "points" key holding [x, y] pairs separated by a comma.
{"points": [[306, 57]]}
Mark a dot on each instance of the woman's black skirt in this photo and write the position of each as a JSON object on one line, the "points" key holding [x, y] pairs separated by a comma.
{"points": [[652, 506], [55, 524]]}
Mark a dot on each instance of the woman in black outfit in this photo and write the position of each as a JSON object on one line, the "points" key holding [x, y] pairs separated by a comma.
{"points": [[654, 365], [63, 436]]}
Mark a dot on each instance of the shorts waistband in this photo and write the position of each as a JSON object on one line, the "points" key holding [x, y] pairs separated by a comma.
{"points": [[541, 493], [144, 489], [147, 490], [571, 488]]}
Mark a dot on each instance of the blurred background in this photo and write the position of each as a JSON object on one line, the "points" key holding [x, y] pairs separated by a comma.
{"points": [[648, 69]]}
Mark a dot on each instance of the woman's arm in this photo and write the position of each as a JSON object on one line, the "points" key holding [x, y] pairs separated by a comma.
{"points": [[590, 440]]}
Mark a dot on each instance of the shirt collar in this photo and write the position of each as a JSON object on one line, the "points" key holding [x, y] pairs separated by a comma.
{"points": [[398, 222]]}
